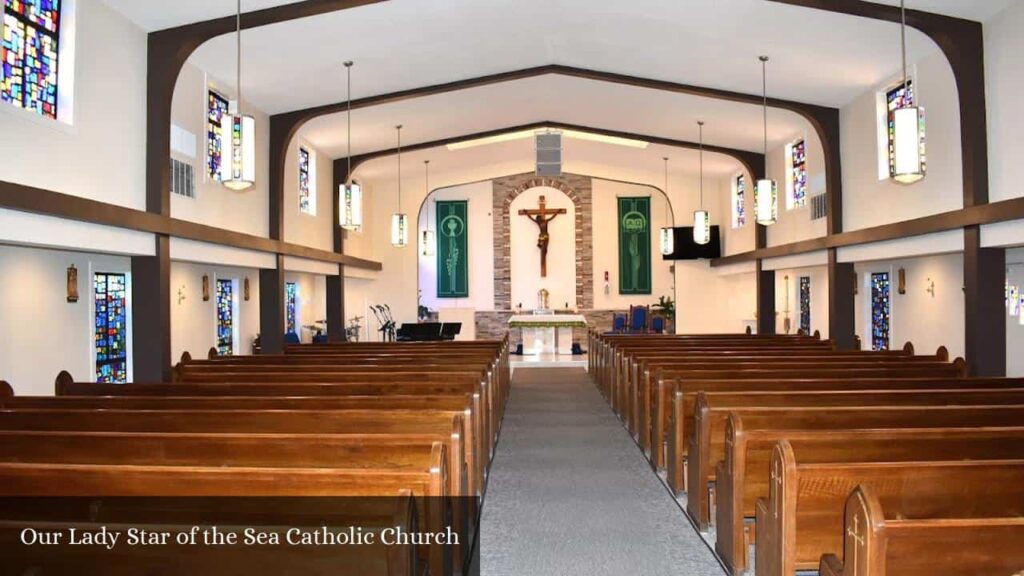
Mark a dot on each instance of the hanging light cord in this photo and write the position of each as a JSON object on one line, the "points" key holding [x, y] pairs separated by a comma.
{"points": [[238, 55], [764, 93], [399, 130], [348, 119], [700, 123], [903, 43]]}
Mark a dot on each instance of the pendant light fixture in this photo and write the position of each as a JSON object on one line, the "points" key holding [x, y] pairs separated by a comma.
{"points": [[239, 172], [427, 240], [701, 218], [350, 194], [399, 221], [668, 234], [766, 193], [908, 134]]}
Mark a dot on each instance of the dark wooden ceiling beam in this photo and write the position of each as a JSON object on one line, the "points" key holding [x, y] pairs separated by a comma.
{"points": [[962, 42], [990, 213], [48, 203]]}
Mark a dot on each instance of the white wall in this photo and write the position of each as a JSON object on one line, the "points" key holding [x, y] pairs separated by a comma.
{"points": [[214, 205], [1004, 81], [48, 334], [102, 155], [561, 278], [787, 297], [710, 301], [194, 322], [480, 243], [794, 224], [606, 244], [312, 305], [314, 230], [870, 201], [917, 316], [1014, 328], [735, 240]]}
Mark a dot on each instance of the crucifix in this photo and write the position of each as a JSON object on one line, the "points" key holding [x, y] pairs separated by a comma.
{"points": [[541, 216], [858, 541]]}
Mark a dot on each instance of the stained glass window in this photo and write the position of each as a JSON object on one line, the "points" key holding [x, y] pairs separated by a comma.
{"points": [[216, 110], [306, 201], [739, 211], [880, 311], [805, 304], [901, 96], [799, 191], [291, 302], [225, 317], [1014, 303], [111, 326], [31, 41]]}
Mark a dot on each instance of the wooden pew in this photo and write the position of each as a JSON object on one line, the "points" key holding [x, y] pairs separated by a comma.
{"points": [[707, 444], [161, 515], [364, 384], [24, 480], [661, 404], [880, 540], [642, 365], [442, 426], [743, 477], [683, 416], [477, 460], [644, 402], [800, 520]]}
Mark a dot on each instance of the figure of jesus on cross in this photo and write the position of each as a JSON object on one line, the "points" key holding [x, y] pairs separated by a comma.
{"points": [[541, 216]]}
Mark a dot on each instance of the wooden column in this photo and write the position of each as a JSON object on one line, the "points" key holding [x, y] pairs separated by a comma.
{"points": [[985, 319], [151, 314], [842, 280], [765, 282], [336, 306], [272, 308]]}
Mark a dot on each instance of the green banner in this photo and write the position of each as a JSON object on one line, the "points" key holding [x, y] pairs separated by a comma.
{"points": [[452, 249], [635, 245]]}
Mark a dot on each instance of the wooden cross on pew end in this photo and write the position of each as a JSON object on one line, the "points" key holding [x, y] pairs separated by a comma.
{"points": [[541, 216]]}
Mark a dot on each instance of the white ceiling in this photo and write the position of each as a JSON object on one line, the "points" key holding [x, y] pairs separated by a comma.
{"points": [[817, 57], [558, 99], [405, 44], [981, 10]]}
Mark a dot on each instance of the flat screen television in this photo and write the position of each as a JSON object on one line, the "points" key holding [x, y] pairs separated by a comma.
{"points": [[687, 249]]}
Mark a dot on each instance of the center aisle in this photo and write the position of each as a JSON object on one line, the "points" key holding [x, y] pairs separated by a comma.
{"points": [[570, 492]]}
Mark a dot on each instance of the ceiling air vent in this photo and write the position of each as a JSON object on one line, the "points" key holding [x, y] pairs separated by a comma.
{"points": [[819, 207], [549, 154], [183, 179]]}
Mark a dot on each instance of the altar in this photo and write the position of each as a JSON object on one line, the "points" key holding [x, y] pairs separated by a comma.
{"points": [[547, 333]]}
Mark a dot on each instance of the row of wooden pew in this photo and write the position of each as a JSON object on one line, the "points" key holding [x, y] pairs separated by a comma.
{"points": [[416, 423], [848, 462]]}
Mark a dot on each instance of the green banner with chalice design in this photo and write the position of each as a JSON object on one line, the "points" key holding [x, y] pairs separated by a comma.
{"points": [[634, 245], [452, 249]]}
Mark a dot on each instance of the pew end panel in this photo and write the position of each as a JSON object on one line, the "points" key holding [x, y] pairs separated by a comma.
{"points": [[731, 541], [863, 550], [63, 383], [212, 353], [6, 390], [676, 467], [908, 348], [776, 528]]}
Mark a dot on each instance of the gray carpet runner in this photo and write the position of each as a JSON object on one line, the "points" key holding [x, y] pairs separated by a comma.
{"points": [[570, 492]]}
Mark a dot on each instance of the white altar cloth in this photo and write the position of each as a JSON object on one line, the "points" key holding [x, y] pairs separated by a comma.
{"points": [[547, 333]]}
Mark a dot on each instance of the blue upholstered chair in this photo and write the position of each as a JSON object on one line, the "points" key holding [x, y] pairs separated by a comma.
{"points": [[618, 323], [291, 338], [658, 324], [638, 316]]}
